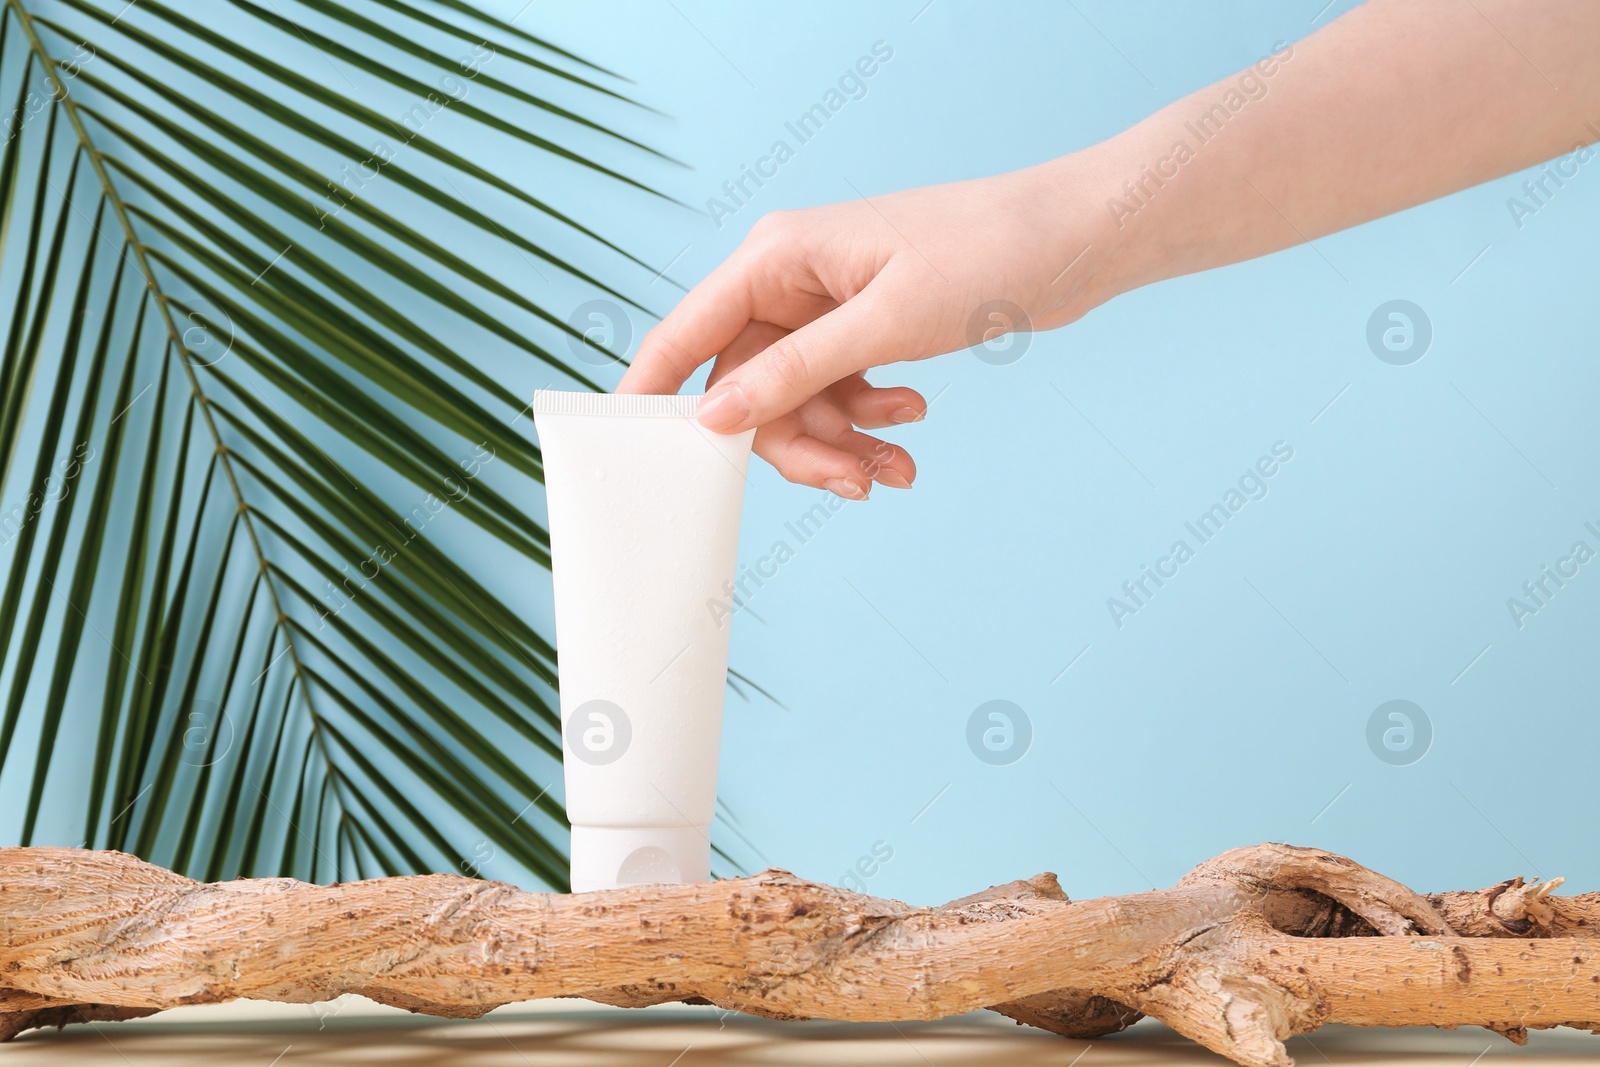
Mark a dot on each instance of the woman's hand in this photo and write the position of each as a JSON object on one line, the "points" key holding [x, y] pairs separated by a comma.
{"points": [[814, 298], [1354, 122]]}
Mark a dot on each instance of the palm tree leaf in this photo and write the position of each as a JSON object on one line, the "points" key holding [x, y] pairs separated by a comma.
{"points": [[500, 48], [341, 105], [507, 27], [188, 639], [24, 337], [344, 147], [400, 42], [11, 601]]}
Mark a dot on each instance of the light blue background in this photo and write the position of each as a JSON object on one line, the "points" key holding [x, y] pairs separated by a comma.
{"points": [[1413, 508], [1234, 708]]}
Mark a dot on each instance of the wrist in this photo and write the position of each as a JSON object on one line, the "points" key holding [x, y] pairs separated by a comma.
{"points": [[1099, 254]]}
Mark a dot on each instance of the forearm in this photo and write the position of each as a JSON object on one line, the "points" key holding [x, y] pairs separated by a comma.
{"points": [[1396, 103]]}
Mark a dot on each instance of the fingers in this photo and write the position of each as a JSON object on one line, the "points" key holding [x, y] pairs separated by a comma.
{"points": [[860, 333], [882, 462], [847, 467], [816, 446], [807, 460], [871, 407], [709, 318], [755, 336], [817, 443]]}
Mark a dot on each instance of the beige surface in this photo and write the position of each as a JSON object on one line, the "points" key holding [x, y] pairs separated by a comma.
{"points": [[353, 1030]]}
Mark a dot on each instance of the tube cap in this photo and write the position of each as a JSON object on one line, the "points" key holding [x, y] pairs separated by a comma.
{"points": [[611, 857]]}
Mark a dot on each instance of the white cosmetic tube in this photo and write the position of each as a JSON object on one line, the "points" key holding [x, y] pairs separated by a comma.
{"points": [[644, 533]]}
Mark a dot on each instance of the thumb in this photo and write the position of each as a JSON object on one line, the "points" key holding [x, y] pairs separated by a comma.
{"points": [[858, 334]]}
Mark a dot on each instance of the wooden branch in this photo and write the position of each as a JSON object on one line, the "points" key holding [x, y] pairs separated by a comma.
{"points": [[1251, 948]]}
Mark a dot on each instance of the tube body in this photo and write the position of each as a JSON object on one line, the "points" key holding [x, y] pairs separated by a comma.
{"points": [[644, 528]]}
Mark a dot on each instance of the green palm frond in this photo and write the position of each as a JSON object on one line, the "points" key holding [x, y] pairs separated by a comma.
{"points": [[246, 435]]}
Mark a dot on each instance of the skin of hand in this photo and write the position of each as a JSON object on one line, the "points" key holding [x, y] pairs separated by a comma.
{"points": [[1393, 104], [813, 298]]}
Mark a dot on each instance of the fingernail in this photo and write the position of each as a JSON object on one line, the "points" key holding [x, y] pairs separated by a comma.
{"points": [[724, 409], [893, 478], [906, 415], [845, 488]]}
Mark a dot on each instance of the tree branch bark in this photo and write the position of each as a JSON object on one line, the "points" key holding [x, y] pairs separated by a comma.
{"points": [[1249, 949]]}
